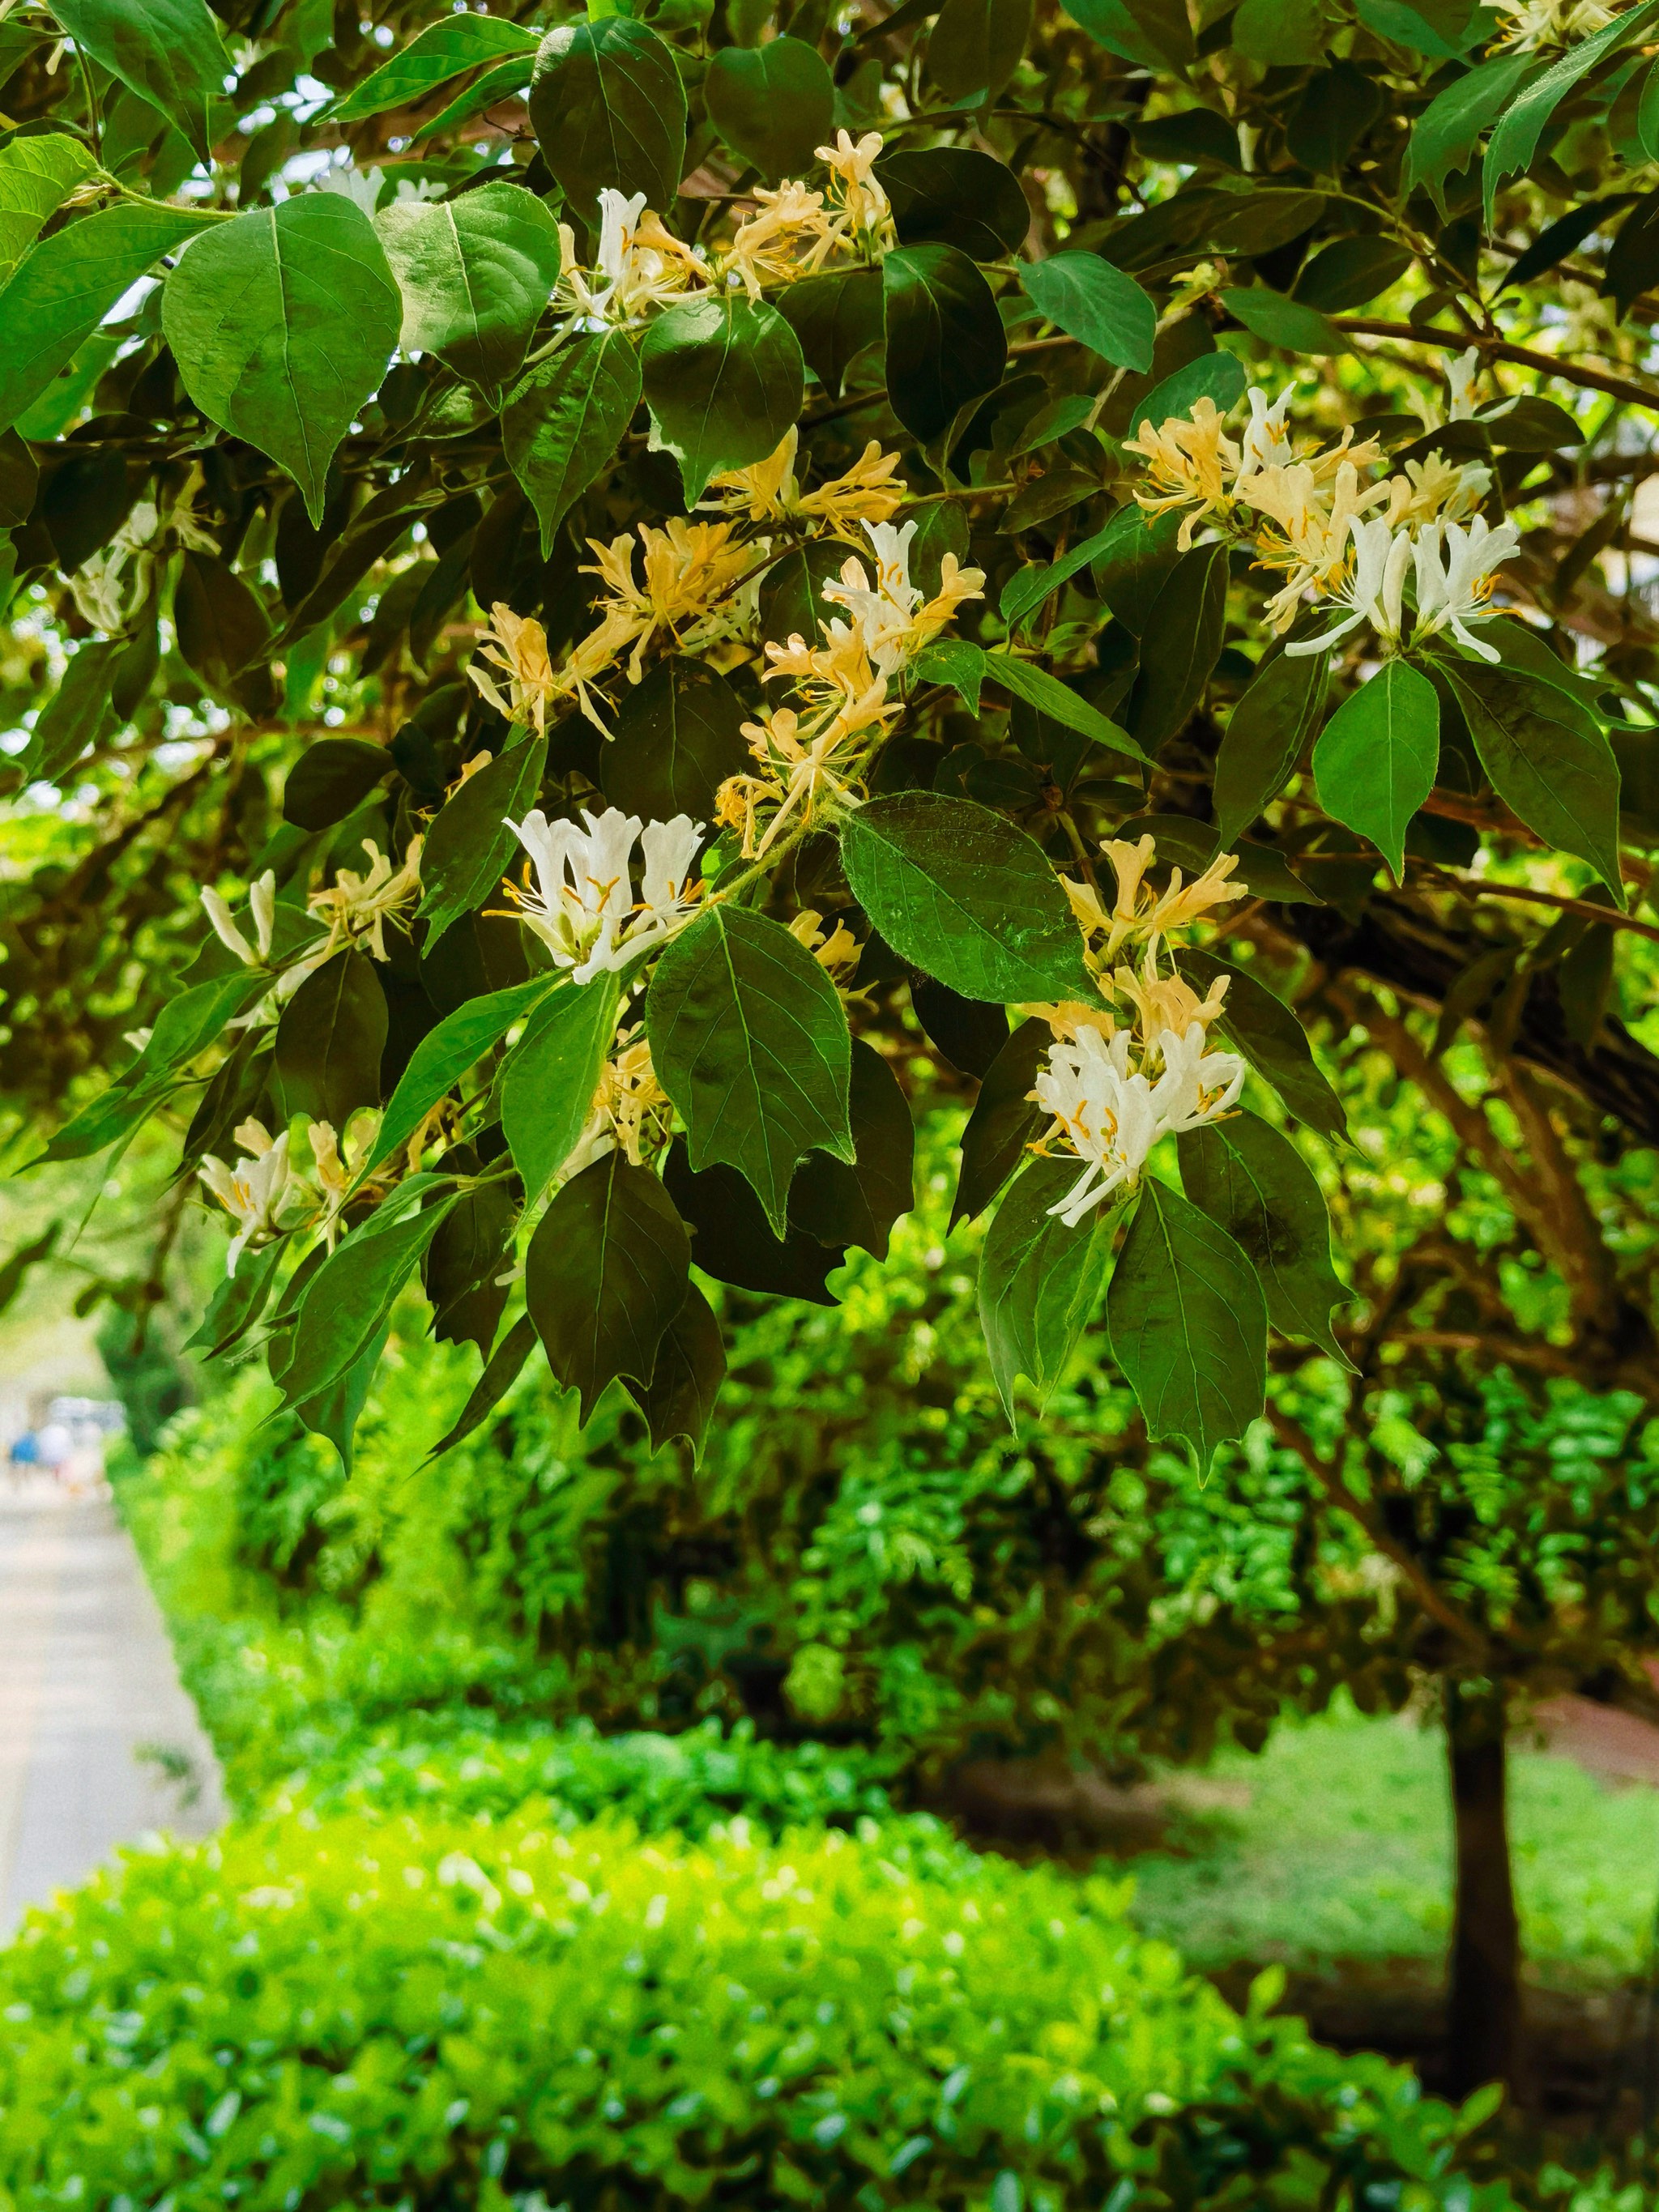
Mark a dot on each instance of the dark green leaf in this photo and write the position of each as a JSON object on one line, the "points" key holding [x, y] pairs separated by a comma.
{"points": [[65, 285], [463, 1264], [1133, 563], [435, 55], [219, 622], [334, 1412], [1557, 240], [238, 1301], [501, 1372], [551, 1075], [679, 1399], [1154, 32], [1521, 122], [504, 81], [1257, 1023], [749, 1040], [186, 1025], [1028, 588], [1180, 646], [331, 779], [1444, 137], [1548, 758], [1041, 689], [1250, 1180], [346, 1302], [476, 274], [1218, 376], [964, 896], [607, 1273], [1096, 304], [329, 1040], [1279, 321], [954, 196], [952, 660], [678, 737], [566, 421], [1633, 262], [169, 53], [78, 714], [1265, 736], [1343, 277], [975, 46], [1188, 1324], [469, 846], [1003, 1121], [444, 1055], [774, 105], [945, 338], [1039, 1281], [1283, 34], [282, 322], [843, 1205], [724, 379], [1334, 110], [835, 315], [732, 1241], [1377, 756], [607, 104]]}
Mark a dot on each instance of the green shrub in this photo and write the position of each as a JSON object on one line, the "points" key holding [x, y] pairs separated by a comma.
{"points": [[327, 2011]]}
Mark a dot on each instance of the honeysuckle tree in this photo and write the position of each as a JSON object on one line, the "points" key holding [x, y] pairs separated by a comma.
{"points": [[557, 563]]}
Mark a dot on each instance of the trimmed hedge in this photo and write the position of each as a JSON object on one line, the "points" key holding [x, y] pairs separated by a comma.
{"points": [[336, 2010]]}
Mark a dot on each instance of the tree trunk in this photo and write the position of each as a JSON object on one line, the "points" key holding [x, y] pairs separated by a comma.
{"points": [[1483, 2028]]}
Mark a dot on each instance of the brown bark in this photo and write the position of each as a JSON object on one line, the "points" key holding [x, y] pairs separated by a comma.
{"points": [[1485, 2027]]}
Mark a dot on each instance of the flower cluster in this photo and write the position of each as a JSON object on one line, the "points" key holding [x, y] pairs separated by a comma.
{"points": [[358, 904], [578, 895], [1532, 26], [807, 757], [630, 1113], [264, 1196], [769, 490], [1114, 1088], [639, 267], [1315, 519]]}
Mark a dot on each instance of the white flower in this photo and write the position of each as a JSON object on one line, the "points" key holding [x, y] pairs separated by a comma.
{"points": [[262, 909], [1454, 587], [1460, 384], [1264, 442], [361, 186], [882, 613], [357, 906], [252, 1191], [1196, 1086], [1375, 591], [1107, 1114], [583, 906]]}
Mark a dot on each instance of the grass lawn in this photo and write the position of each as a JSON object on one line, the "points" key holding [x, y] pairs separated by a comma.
{"points": [[1334, 1844]]}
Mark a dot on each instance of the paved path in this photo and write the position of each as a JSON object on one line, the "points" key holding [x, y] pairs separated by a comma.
{"points": [[96, 1734]]}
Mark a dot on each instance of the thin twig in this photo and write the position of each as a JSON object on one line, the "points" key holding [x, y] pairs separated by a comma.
{"points": [[1593, 380]]}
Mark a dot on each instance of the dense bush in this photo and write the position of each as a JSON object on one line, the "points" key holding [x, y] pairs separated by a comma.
{"points": [[448, 2013]]}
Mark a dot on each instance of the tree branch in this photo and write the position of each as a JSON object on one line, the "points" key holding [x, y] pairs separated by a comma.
{"points": [[1499, 348]]}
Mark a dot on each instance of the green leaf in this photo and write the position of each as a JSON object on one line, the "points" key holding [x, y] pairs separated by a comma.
{"points": [[1377, 757], [724, 379], [65, 285], [1028, 588], [1188, 1324], [954, 196], [219, 620], [678, 737], [551, 1075], [1521, 123], [964, 895], [1043, 690], [843, 1203], [774, 105], [1180, 646], [476, 274], [78, 714], [331, 779], [975, 46], [1278, 321], [946, 344], [186, 1025], [608, 106], [749, 1040], [565, 421], [238, 1301], [1039, 1281], [1252, 1181], [433, 57], [1096, 304], [1003, 1121], [952, 660], [501, 1372], [444, 1055], [329, 1040], [1257, 1023], [1154, 32], [1265, 736], [732, 1241], [679, 1399], [1218, 376], [346, 1303], [1548, 758], [334, 1412], [1134, 565], [1444, 137], [464, 1263], [37, 175], [282, 322], [1443, 30], [168, 52], [507, 81], [469, 845], [608, 1270], [835, 315], [1283, 34]]}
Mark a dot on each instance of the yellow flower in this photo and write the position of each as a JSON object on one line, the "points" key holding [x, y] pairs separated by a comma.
{"points": [[769, 491], [357, 906], [1191, 462], [792, 236], [517, 645], [850, 163], [837, 950], [864, 493], [1166, 1002], [640, 265]]}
